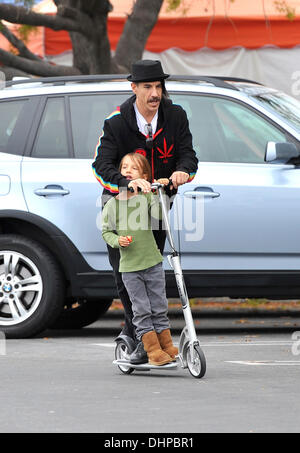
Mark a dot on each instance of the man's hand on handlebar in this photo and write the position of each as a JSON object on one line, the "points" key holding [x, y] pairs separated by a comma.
{"points": [[143, 184], [179, 178]]}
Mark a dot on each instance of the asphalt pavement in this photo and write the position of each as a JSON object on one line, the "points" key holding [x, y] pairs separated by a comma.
{"points": [[65, 382]]}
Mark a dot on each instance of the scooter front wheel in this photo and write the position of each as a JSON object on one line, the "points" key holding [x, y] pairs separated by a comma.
{"points": [[197, 368], [121, 353]]}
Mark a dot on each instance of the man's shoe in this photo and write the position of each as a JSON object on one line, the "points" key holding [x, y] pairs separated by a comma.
{"points": [[139, 355]]}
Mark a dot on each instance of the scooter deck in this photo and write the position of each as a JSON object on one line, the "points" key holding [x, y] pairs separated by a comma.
{"points": [[146, 366]]}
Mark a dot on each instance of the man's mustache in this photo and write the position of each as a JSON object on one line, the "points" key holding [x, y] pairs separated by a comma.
{"points": [[154, 100]]}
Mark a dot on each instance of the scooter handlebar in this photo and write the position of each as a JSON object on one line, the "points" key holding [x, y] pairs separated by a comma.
{"points": [[154, 186]]}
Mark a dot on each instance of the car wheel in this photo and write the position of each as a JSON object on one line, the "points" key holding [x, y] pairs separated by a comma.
{"points": [[32, 288], [82, 313]]}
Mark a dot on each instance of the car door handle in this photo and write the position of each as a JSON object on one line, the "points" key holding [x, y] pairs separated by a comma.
{"points": [[200, 192], [51, 190]]}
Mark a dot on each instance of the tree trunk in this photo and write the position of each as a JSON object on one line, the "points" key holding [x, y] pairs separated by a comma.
{"points": [[136, 32], [86, 21], [92, 55], [91, 50]]}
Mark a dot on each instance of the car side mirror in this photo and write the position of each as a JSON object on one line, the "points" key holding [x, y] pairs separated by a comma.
{"points": [[280, 152]]}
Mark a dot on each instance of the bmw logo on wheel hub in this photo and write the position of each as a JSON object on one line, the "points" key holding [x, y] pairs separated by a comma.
{"points": [[7, 287]]}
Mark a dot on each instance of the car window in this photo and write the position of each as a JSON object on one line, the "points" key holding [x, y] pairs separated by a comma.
{"points": [[284, 105], [88, 113], [51, 140], [9, 113], [226, 131]]}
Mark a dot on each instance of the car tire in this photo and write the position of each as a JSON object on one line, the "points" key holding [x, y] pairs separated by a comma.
{"points": [[32, 287], [81, 314]]}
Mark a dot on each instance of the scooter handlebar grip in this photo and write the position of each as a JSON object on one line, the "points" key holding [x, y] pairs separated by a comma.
{"points": [[131, 189]]}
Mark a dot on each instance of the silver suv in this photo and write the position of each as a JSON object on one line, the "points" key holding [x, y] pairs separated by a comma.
{"points": [[237, 223]]}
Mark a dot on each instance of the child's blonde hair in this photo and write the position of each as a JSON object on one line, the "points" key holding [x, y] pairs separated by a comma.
{"points": [[141, 161]]}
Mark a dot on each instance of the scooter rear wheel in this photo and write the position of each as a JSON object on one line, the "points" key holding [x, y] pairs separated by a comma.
{"points": [[198, 368], [121, 353]]}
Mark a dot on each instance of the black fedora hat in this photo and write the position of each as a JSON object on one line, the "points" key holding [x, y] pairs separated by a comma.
{"points": [[147, 71]]}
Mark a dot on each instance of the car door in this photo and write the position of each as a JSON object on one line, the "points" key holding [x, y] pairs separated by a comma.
{"points": [[16, 117], [239, 212], [57, 177]]}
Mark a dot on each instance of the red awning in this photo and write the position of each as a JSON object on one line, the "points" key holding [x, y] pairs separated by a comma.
{"points": [[193, 33]]}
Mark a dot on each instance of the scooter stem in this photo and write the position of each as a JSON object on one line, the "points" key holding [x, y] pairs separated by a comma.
{"points": [[165, 216], [174, 261]]}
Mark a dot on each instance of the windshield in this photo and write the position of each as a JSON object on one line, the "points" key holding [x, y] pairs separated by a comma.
{"points": [[284, 105]]}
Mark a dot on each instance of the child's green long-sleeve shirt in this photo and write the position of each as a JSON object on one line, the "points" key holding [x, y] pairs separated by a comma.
{"points": [[132, 217]]}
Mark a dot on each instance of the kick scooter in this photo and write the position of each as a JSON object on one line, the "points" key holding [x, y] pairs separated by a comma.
{"points": [[190, 354]]}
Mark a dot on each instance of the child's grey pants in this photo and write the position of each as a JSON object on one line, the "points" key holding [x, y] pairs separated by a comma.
{"points": [[147, 292]]}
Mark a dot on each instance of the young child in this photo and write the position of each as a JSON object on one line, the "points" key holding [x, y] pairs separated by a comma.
{"points": [[126, 223]]}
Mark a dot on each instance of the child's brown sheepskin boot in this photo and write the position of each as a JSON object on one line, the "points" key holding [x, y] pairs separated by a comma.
{"points": [[166, 343], [155, 354]]}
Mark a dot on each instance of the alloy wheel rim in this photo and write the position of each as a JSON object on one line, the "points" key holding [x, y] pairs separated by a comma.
{"points": [[21, 288]]}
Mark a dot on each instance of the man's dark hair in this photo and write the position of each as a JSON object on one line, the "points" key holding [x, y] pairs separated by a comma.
{"points": [[164, 90]]}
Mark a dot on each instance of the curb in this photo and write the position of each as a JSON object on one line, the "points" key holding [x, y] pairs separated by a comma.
{"points": [[220, 313]]}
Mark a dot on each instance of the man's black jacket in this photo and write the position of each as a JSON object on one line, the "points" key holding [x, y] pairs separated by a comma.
{"points": [[172, 145]]}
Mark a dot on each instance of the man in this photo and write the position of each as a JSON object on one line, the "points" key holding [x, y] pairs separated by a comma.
{"points": [[150, 124]]}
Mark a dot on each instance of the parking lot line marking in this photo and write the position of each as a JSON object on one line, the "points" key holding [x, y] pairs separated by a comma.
{"points": [[265, 362], [252, 343], [105, 345]]}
